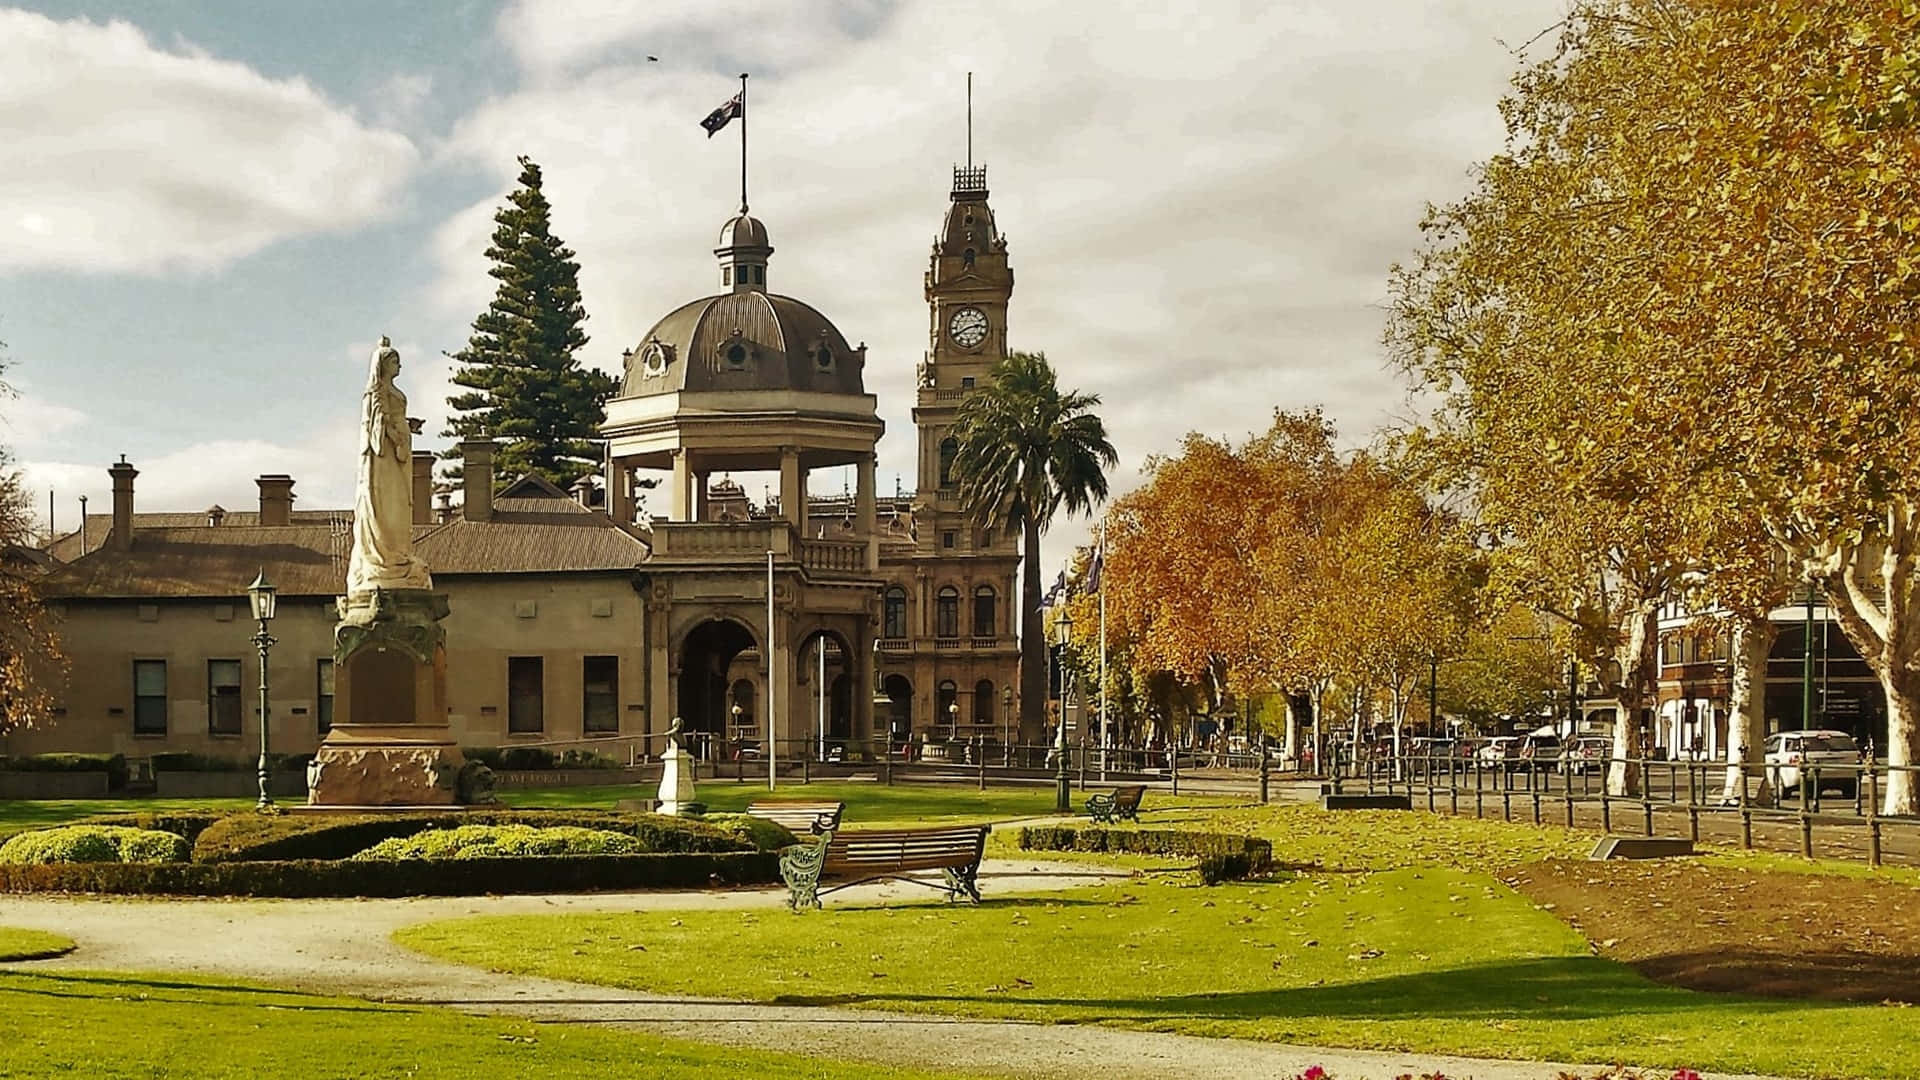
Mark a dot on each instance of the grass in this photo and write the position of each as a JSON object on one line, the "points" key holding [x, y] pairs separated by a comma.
{"points": [[17, 815], [1420, 961], [1374, 840], [868, 803], [112, 1026], [17, 944]]}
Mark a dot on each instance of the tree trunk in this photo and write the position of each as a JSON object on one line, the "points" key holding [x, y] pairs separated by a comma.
{"points": [[1033, 640], [1888, 636], [1636, 656], [1747, 701]]}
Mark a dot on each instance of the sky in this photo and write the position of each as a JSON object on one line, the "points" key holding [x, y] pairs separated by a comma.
{"points": [[211, 209]]}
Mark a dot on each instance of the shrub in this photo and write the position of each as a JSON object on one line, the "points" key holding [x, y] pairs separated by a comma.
{"points": [[538, 758], [185, 762], [398, 877], [93, 844], [187, 824], [1222, 856], [764, 835], [503, 841], [114, 765], [250, 837]]}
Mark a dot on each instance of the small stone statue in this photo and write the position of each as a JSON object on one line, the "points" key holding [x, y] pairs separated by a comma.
{"points": [[925, 371], [383, 499]]}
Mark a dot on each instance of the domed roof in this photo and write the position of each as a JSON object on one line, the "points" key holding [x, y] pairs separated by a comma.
{"points": [[746, 340], [742, 232]]}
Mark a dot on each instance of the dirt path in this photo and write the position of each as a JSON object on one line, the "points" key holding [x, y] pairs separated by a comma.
{"points": [[345, 947]]}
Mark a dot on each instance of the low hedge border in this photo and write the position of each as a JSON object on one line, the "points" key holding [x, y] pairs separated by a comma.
{"points": [[1222, 856], [244, 837], [306, 878]]}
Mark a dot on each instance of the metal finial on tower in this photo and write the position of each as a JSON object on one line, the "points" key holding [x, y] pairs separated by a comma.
{"points": [[969, 119], [743, 142]]}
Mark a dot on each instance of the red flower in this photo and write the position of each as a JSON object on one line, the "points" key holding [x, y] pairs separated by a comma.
{"points": [[1685, 1074], [1315, 1072]]}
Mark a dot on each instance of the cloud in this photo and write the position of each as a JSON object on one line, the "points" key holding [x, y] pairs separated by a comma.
{"points": [[27, 419], [131, 158], [1202, 200]]}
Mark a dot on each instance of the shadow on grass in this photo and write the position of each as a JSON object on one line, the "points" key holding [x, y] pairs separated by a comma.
{"points": [[1820, 976], [166, 992], [1549, 988]]}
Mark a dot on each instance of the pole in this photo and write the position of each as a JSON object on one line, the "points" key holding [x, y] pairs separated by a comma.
{"points": [[820, 690], [1106, 736], [969, 119], [1061, 800], [1573, 697], [773, 677], [1806, 664], [1433, 695], [743, 142], [264, 641]]}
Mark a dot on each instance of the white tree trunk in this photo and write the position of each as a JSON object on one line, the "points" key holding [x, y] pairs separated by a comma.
{"points": [[1746, 701], [1887, 635], [1635, 655]]}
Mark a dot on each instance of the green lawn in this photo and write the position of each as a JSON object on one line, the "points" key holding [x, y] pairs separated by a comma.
{"points": [[152, 1027], [17, 944], [1433, 960], [20, 814], [868, 803]]}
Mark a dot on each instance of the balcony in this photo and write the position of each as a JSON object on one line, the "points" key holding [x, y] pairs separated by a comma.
{"points": [[719, 542], [834, 556]]}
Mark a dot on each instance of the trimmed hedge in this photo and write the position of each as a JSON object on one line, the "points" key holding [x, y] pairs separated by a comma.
{"points": [[1222, 856], [538, 758], [764, 835], [406, 877], [187, 824], [503, 841], [114, 765], [247, 837], [93, 844]]}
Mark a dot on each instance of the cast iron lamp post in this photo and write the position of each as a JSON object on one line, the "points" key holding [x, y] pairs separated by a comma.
{"points": [[1061, 802], [261, 594], [953, 721]]}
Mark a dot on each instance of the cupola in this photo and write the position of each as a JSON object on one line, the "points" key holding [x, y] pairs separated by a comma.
{"points": [[743, 252]]}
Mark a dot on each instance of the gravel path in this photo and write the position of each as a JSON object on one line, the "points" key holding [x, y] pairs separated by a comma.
{"points": [[345, 947]]}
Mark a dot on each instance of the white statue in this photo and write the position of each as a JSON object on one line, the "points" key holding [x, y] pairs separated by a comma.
{"points": [[383, 498]]}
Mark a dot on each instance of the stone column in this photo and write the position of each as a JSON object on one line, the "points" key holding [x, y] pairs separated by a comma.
{"points": [[793, 489], [620, 493], [860, 685], [682, 486], [700, 494]]}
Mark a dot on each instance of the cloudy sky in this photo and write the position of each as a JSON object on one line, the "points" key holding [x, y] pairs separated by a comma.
{"points": [[209, 209]]}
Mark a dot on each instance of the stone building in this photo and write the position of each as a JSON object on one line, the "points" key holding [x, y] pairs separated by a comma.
{"points": [[576, 617]]}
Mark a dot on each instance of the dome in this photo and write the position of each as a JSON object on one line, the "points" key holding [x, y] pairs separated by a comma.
{"points": [[743, 340], [742, 232]]}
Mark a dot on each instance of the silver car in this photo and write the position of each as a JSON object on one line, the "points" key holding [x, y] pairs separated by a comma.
{"points": [[1833, 753]]}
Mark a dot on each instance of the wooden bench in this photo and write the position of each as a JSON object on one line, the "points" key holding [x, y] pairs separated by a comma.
{"points": [[885, 854], [1122, 805], [801, 816]]}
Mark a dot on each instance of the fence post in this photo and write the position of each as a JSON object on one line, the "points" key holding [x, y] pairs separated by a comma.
{"points": [[1566, 787], [1693, 806], [1173, 769], [1265, 775], [1806, 817], [806, 766], [1646, 791], [886, 760], [1873, 817], [980, 755], [1479, 800], [1606, 794]]}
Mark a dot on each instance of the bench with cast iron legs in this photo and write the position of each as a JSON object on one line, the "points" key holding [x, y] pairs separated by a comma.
{"points": [[802, 817], [862, 855], [1122, 805]]}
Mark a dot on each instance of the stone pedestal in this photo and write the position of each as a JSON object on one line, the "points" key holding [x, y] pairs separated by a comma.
{"points": [[390, 744], [676, 779]]}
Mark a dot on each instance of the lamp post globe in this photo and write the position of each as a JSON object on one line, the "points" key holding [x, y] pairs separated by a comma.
{"points": [[1061, 800], [736, 711], [261, 596]]}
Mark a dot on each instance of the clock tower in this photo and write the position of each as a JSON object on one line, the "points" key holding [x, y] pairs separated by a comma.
{"points": [[968, 285]]}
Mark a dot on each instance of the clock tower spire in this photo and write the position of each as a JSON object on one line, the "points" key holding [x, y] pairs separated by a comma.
{"points": [[968, 285]]}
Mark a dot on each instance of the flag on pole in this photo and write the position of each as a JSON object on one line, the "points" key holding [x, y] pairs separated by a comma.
{"points": [[718, 118], [1094, 567], [1056, 592]]}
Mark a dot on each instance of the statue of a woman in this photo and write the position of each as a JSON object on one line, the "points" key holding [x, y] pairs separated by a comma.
{"points": [[383, 499]]}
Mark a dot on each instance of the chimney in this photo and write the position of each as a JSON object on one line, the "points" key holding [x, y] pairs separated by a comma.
{"points": [[216, 514], [276, 499], [123, 474], [583, 491], [476, 456], [423, 487]]}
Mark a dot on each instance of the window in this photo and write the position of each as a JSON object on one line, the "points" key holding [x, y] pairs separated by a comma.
{"points": [[983, 702], [323, 694], [526, 694], [823, 358], [737, 356], [949, 695], [600, 695], [949, 450], [966, 382], [759, 275], [947, 538], [223, 697], [983, 603], [947, 613], [895, 622], [726, 275], [149, 697]]}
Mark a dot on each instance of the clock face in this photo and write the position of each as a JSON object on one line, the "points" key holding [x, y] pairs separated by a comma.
{"points": [[968, 327]]}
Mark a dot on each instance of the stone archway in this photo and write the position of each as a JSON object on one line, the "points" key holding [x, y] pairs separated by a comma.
{"points": [[824, 705], [899, 708], [706, 653]]}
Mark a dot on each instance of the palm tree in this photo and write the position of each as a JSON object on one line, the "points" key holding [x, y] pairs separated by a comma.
{"points": [[1027, 450]]}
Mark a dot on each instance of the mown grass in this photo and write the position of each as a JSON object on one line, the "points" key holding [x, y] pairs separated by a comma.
{"points": [[868, 803], [153, 1027], [17, 944], [1434, 960]]}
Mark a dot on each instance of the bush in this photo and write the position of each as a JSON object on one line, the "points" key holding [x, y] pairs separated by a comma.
{"points": [[398, 877], [93, 844], [764, 835], [538, 758], [187, 824], [248, 837], [503, 841], [1222, 856], [114, 765], [184, 762]]}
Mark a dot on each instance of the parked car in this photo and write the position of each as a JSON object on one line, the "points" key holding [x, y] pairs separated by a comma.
{"points": [[1500, 750], [1538, 751], [1585, 753], [1790, 753]]}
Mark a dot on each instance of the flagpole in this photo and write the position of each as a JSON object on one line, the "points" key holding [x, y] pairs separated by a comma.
{"points": [[743, 142], [1106, 733]]}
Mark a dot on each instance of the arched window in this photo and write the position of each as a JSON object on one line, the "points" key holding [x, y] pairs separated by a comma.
{"points": [[946, 613], [944, 700], [894, 624], [966, 258], [983, 604], [949, 450], [823, 358], [983, 702]]}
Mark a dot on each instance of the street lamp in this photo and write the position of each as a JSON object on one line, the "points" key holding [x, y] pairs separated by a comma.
{"points": [[953, 720], [1060, 799], [1006, 721], [261, 594], [725, 735]]}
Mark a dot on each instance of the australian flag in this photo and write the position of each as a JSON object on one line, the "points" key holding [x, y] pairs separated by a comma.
{"points": [[718, 118]]}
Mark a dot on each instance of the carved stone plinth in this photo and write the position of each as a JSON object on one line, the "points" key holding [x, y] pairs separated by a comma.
{"points": [[676, 780], [385, 776]]}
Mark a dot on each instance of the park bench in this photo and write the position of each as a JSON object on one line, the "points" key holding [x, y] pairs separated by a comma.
{"points": [[1122, 805], [861, 855], [802, 817]]}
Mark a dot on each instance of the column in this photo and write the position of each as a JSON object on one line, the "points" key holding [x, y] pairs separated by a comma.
{"points": [[700, 494], [660, 686], [860, 682], [865, 524], [682, 485], [620, 493], [793, 489]]}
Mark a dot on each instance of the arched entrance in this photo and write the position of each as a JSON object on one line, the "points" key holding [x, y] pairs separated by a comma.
{"points": [[705, 655], [825, 699], [899, 708]]}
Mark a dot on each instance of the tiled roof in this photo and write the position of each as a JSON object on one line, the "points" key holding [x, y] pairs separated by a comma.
{"points": [[66, 548]]}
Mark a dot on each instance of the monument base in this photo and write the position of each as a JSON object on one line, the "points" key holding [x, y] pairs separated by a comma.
{"points": [[413, 773]]}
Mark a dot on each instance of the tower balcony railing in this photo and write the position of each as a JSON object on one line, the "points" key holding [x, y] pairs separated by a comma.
{"points": [[834, 556], [719, 540]]}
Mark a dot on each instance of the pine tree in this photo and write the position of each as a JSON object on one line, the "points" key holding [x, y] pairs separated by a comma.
{"points": [[526, 388]]}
